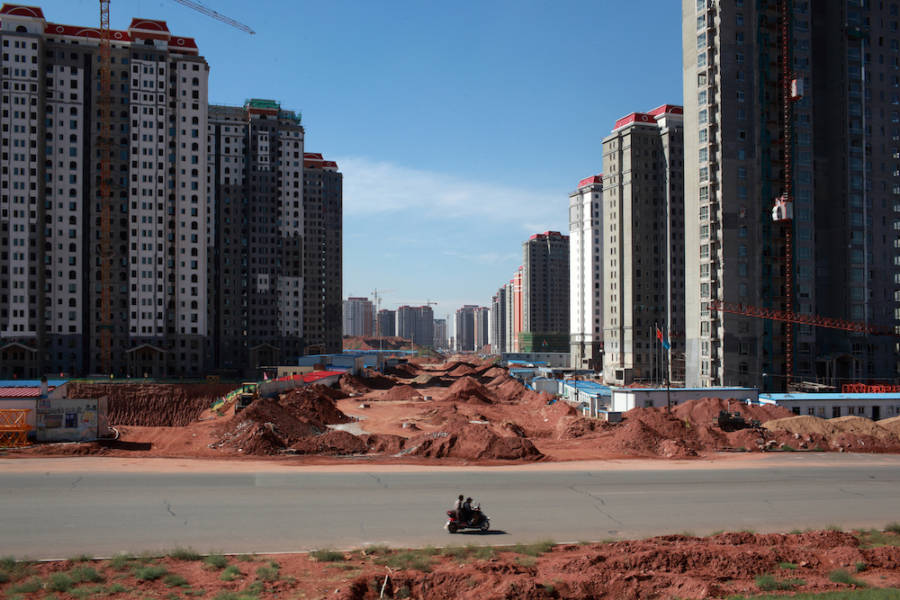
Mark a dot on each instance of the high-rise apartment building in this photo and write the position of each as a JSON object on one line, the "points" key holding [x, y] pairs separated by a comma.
{"points": [[465, 328], [387, 323], [643, 217], [545, 293], [498, 321], [416, 323], [440, 333], [481, 330], [50, 284], [323, 226], [256, 164], [841, 160], [359, 316], [586, 284]]}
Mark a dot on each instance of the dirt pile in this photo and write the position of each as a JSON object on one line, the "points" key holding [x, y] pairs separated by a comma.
{"points": [[706, 410], [468, 389], [401, 393], [849, 433], [331, 443], [471, 442], [892, 425], [404, 370], [314, 404], [152, 404], [665, 567], [376, 381], [351, 384]]}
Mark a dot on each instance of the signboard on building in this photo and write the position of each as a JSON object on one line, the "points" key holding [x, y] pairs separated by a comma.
{"points": [[71, 419]]}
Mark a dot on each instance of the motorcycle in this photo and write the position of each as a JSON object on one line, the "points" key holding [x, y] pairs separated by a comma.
{"points": [[477, 520]]}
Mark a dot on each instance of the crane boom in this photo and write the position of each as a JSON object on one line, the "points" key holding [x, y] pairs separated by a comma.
{"points": [[215, 15], [800, 319]]}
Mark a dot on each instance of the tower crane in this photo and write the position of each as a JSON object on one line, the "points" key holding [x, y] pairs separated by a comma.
{"points": [[377, 296], [104, 145], [782, 212]]}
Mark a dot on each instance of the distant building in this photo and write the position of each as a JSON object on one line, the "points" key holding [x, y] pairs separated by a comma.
{"points": [[416, 323], [643, 213], [586, 283], [465, 328], [440, 333], [498, 321], [545, 293], [359, 317], [387, 323], [481, 331]]}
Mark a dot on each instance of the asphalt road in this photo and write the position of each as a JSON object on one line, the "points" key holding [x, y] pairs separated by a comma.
{"points": [[58, 515]]}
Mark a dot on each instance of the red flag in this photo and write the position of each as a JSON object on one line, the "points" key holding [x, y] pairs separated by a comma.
{"points": [[659, 334]]}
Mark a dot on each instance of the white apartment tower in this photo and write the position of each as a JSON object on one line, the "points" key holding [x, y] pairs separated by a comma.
{"points": [[586, 288], [49, 251]]}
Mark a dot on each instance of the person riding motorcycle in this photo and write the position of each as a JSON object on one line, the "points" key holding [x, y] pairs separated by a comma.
{"points": [[467, 510], [458, 508]]}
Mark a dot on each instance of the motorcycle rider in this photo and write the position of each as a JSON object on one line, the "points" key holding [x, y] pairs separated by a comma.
{"points": [[458, 508], [467, 510]]}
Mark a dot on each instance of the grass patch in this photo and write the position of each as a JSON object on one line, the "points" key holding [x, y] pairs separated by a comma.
{"points": [[884, 594], [893, 528], [235, 596], [60, 582], [116, 588], [768, 583], [185, 554], [88, 591], [85, 574], [175, 580], [842, 576], [411, 560], [231, 573], [834, 528], [454, 552], [246, 557], [526, 561], [216, 561], [786, 448], [80, 558], [376, 550], [26, 587], [480, 552], [872, 538], [150, 572], [326, 555], [861, 566], [121, 562], [535, 549], [267, 573], [787, 565]]}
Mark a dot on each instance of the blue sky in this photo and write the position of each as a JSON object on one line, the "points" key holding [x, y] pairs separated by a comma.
{"points": [[460, 127]]}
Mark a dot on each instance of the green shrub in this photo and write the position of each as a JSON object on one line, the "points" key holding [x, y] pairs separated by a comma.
{"points": [[5, 577], [85, 574], [116, 588], [60, 582], [81, 558], [216, 561], [175, 580], [326, 555], [480, 552], [235, 596], [842, 576], [121, 562], [454, 551], [410, 560], [376, 549], [7, 563], [150, 572], [526, 561], [265, 573], [892, 527], [786, 448], [768, 583], [246, 557], [834, 528], [231, 573], [861, 566], [26, 587], [787, 565], [185, 554]]}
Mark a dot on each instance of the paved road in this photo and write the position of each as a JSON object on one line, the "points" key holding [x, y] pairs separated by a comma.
{"points": [[56, 515]]}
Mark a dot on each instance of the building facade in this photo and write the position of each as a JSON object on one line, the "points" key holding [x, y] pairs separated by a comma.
{"points": [[359, 317], [416, 323], [643, 217], [498, 321], [481, 330], [586, 284], [387, 323], [838, 166], [545, 293], [51, 276], [440, 334], [465, 328]]}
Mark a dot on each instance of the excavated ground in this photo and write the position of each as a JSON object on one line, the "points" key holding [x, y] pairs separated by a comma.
{"points": [[678, 566], [455, 412]]}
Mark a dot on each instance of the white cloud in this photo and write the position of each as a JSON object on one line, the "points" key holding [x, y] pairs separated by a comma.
{"points": [[372, 187]]}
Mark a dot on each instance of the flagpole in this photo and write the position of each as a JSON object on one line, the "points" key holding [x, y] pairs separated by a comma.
{"points": [[668, 351]]}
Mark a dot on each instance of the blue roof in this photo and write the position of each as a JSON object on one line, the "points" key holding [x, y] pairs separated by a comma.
{"points": [[830, 396], [681, 389], [31, 382], [590, 387]]}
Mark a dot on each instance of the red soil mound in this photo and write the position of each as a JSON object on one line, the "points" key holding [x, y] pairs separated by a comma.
{"points": [[403, 392], [313, 404], [706, 410], [472, 442], [461, 371], [509, 391], [351, 384], [384, 443], [467, 389], [404, 370], [152, 404], [331, 443], [265, 427], [376, 381]]}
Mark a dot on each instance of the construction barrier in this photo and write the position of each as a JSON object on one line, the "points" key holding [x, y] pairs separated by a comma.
{"points": [[14, 427]]}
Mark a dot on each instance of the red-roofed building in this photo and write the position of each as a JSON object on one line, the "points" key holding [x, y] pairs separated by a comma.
{"points": [[642, 250], [586, 284]]}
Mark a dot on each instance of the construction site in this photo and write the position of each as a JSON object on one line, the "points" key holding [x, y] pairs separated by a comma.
{"points": [[459, 411]]}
